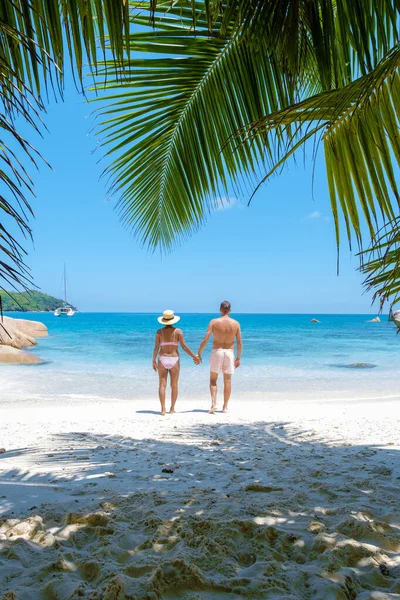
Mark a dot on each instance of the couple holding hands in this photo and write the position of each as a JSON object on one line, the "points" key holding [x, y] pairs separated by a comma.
{"points": [[224, 329]]}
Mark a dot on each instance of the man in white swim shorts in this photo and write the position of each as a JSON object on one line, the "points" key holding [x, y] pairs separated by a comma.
{"points": [[222, 359]]}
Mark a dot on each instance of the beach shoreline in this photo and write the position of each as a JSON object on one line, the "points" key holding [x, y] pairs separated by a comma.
{"points": [[108, 356], [274, 500]]}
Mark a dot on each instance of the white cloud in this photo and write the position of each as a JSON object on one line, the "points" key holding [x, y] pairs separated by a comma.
{"points": [[318, 215], [314, 215], [226, 203]]}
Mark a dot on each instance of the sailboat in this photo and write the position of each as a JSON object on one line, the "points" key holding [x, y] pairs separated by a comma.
{"points": [[65, 310]]}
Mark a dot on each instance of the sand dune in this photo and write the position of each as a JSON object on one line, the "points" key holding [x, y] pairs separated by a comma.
{"points": [[291, 501]]}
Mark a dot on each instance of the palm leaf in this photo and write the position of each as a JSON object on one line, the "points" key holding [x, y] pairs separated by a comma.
{"points": [[359, 127], [169, 129], [38, 34], [164, 126], [381, 265], [16, 182], [344, 37], [36, 38]]}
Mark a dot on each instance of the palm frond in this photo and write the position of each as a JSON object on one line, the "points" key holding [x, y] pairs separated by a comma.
{"points": [[381, 265], [359, 127], [165, 124], [36, 37], [16, 183], [169, 128], [347, 38]]}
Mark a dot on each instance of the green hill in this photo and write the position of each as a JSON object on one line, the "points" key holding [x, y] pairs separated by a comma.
{"points": [[30, 301]]}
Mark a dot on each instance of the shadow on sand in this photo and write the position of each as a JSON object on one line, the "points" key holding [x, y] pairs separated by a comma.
{"points": [[157, 412], [216, 511]]}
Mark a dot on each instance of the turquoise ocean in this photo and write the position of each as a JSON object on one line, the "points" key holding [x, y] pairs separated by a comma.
{"points": [[103, 356]]}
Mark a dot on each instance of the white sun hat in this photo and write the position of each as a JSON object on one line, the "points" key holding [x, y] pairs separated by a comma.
{"points": [[168, 318]]}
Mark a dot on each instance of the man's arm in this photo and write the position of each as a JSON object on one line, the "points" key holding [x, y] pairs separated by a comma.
{"points": [[205, 339], [239, 347], [155, 351], [184, 346]]}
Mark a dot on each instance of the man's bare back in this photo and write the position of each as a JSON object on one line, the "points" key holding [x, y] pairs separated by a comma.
{"points": [[224, 330]]}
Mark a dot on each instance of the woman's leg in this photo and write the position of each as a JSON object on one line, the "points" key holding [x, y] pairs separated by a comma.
{"points": [[174, 374], [162, 375]]}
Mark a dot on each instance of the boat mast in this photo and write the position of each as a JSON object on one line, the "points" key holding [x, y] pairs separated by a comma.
{"points": [[65, 286]]}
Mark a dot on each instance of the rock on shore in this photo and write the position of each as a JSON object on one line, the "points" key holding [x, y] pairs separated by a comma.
{"points": [[11, 336], [32, 328], [11, 355], [17, 334]]}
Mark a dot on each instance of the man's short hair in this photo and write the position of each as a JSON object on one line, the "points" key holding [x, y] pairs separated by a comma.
{"points": [[225, 307]]}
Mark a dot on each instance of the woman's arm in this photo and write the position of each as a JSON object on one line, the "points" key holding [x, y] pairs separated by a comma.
{"points": [[155, 351], [184, 346]]}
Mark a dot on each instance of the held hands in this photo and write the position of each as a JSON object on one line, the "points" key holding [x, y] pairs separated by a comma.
{"points": [[197, 360], [237, 363]]}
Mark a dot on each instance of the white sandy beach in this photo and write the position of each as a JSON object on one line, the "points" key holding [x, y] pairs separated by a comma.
{"points": [[274, 500]]}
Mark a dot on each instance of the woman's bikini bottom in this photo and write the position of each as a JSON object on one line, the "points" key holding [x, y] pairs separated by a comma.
{"points": [[168, 361]]}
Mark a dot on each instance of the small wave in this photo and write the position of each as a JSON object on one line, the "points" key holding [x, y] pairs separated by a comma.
{"points": [[358, 365]]}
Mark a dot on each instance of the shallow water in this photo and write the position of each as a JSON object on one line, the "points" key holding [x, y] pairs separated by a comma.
{"points": [[107, 355]]}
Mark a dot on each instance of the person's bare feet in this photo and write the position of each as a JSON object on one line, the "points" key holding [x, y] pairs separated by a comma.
{"points": [[224, 410], [163, 413], [171, 411], [212, 409]]}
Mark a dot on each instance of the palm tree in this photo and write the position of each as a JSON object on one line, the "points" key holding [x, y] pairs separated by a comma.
{"points": [[36, 39], [221, 94]]}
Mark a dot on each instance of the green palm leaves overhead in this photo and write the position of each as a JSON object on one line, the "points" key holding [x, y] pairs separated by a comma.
{"points": [[200, 96], [183, 94], [221, 96], [359, 127], [36, 37], [172, 126]]}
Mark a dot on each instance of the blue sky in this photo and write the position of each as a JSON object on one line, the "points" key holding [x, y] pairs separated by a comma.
{"points": [[279, 255]]}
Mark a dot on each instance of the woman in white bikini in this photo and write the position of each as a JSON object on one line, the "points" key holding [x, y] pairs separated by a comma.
{"points": [[166, 346]]}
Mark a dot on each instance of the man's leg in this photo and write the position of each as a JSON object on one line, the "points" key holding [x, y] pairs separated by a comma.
{"points": [[162, 374], [174, 374], [227, 390], [213, 391]]}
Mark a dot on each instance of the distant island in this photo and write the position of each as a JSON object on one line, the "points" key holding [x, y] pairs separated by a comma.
{"points": [[30, 301]]}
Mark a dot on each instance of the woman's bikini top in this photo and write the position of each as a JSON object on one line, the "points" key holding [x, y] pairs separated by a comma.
{"points": [[169, 343]]}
